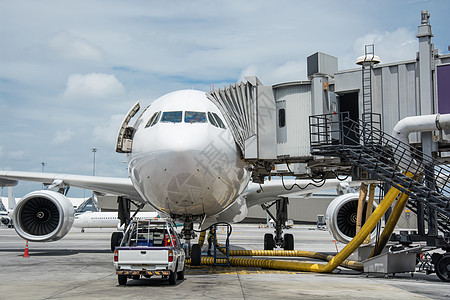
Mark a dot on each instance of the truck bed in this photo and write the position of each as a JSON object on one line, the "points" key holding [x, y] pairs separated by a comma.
{"points": [[131, 257]]}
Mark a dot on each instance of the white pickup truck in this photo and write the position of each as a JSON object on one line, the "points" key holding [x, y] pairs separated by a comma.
{"points": [[150, 247]]}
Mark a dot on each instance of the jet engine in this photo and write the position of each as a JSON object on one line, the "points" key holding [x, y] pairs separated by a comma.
{"points": [[341, 217], [43, 216]]}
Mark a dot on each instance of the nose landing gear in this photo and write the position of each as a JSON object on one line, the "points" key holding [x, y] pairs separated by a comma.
{"points": [[188, 233]]}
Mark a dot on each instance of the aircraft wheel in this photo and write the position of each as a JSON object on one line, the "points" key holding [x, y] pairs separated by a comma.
{"points": [[196, 255], [288, 241], [116, 238], [122, 279], [269, 243], [443, 268]]}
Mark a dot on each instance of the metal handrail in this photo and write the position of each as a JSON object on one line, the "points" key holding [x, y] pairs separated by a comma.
{"points": [[337, 134]]}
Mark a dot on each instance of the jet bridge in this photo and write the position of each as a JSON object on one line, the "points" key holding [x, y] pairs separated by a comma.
{"points": [[270, 124], [249, 109]]}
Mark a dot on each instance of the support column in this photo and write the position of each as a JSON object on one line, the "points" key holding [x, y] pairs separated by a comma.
{"points": [[370, 208], [361, 202]]}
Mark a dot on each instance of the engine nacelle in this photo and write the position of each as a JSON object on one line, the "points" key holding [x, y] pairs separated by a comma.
{"points": [[341, 217], [43, 216]]}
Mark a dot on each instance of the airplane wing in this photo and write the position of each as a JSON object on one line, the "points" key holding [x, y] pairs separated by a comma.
{"points": [[110, 185], [257, 194]]}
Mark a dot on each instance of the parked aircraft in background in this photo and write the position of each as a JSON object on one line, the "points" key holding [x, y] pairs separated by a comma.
{"points": [[104, 219], [183, 161]]}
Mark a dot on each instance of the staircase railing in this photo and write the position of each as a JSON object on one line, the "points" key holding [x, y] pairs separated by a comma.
{"points": [[386, 158]]}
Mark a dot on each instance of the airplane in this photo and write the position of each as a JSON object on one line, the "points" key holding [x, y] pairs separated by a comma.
{"points": [[183, 161], [100, 219]]}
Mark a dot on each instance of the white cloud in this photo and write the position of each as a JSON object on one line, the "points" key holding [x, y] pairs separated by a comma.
{"points": [[19, 154], [62, 136], [107, 134], [290, 71], [74, 47], [94, 85], [249, 71], [391, 46]]}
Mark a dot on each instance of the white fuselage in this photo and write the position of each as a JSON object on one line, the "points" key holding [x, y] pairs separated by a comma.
{"points": [[104, 219], [184, 162]]}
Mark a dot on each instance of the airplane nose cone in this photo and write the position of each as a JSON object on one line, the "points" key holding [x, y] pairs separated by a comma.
{"points": [[191, 169], [184, 139]]}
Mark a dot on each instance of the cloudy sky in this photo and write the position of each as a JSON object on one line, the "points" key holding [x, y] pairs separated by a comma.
{"points": [[70, 70]]}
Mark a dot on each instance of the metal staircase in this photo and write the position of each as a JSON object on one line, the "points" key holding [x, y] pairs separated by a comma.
{"points": [[384, 158]]}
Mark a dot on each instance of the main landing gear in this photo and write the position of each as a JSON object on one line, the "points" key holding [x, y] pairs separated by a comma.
{"points": [[287, 241], [124, 212]]}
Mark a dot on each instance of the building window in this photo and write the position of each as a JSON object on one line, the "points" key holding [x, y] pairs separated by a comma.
{"points": [[281, 118]]}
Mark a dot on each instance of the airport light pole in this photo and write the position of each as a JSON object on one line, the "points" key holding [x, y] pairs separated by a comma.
{"points": [[43, 166], [94, 150]]}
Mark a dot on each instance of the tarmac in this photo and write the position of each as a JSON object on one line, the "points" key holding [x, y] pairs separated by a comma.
{"points": [[79, 266]]}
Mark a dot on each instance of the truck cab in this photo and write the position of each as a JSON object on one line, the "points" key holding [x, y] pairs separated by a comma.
{"points": [[150, 247]]}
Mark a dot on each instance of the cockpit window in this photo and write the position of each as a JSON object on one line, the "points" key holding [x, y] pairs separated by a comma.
{"points": [[172, 117], [194, 117], [219, 121], [153, 120], [212, 120]]}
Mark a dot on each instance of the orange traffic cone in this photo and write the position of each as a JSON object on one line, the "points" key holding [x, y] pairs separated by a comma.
{"points": [[26, 251]]}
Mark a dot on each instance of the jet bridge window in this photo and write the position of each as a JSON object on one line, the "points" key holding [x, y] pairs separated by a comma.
{"points": [[281, 118], [194, 117], [215, 120], [153, 120], [172, 117]]}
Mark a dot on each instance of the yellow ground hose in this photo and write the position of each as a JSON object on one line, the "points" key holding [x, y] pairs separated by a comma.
{"points": [[365, 230], [272, 264], [390, 225], [334, 262], [294, 253], [201, 238]]}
